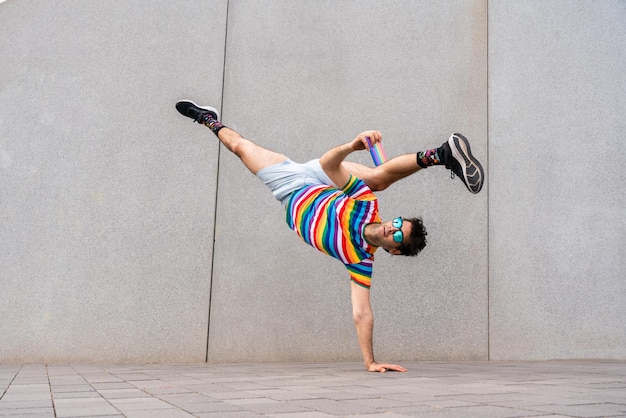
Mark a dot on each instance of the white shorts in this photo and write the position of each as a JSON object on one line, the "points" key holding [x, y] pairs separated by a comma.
{"points": [[286, 177]]}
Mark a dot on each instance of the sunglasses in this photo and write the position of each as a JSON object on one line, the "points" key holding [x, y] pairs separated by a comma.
{"points": [[398, 236]]}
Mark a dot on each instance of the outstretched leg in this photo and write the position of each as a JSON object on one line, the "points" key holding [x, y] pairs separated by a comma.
{"points": [[253, 156]]}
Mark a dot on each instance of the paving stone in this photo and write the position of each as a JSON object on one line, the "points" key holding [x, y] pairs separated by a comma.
{"points": [[207, 407], [267, 406], [149, 384], [29, 413], [231, 395], [84, 407], [238, 414], [309, 414], [24, 395], [76, 395], [490, 411], [310, 389], [585, 410], [139, 404], [95, 378], [280, 394], [162, 413], [330, 406], [112, 385], [413, 410], [244, 385], [381, 415], [67, 381], [167, 390], [378, 403], [196, 402], [411, 397], [123, 393], [438, 403], [72, 388], [7, 405], [184, 398]]}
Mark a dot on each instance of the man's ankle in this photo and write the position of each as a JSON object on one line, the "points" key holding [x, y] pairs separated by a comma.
{"points": [[435, 156], [213, 124]]}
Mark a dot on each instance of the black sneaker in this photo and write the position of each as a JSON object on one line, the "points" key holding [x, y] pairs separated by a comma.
{"points": [[199, 114], [460, 160]]}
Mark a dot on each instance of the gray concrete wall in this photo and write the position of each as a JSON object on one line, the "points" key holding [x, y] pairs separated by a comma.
{"points": [[557, 199], [129, 235], [106, 208]]}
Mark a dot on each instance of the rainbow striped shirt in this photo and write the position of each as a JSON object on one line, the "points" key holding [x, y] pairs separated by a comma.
{"points": [[333, 220]]}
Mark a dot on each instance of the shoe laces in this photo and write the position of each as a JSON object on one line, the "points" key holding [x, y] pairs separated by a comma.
{"points": [[455, 170]]}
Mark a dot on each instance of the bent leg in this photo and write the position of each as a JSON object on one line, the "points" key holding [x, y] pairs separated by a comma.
{"points": [[253, 156], [383, 176]]}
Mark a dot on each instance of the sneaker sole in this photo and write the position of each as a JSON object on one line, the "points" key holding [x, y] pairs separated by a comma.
{"points": [[209, 108], [473, 173]]}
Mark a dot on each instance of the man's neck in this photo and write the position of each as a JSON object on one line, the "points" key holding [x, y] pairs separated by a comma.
{"points": [[366, 231]]}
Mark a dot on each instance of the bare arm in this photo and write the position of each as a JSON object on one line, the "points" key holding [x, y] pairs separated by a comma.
{"points": [[364, 322], [332, 159]]}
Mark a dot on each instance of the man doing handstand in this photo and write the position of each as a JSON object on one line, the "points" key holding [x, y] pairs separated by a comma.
{"points": [[330, 203]]}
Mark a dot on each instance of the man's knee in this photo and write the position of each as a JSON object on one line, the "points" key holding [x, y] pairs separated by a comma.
{"points": [[240, 148]]}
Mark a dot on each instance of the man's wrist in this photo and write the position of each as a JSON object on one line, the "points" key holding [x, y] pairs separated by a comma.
{"points": [[349, 147]]}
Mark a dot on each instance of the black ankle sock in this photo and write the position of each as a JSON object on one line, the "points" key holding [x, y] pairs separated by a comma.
{"points": [[430, 157], [213, 124]]}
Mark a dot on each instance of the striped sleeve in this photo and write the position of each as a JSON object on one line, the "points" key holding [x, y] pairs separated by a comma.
{"points": [[357, 189], [361, 273]]}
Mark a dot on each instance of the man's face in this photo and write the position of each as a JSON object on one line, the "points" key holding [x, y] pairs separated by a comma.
{"points": [[393, 233]]}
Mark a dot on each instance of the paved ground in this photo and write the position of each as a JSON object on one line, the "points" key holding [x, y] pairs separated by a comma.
{"points": [[429, 389]]}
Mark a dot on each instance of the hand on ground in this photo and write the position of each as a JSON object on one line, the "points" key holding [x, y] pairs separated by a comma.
{"points": [[384, 367]]}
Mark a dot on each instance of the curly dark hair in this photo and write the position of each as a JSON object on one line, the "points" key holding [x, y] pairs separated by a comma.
{"points": [[417, 239]]}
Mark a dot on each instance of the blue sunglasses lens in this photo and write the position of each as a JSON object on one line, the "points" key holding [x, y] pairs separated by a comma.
{"points": [[398, 236]]}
